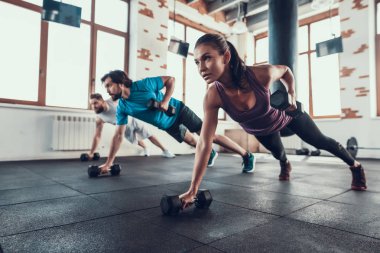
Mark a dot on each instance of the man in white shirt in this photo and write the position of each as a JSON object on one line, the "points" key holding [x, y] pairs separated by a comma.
{"points": [[135, 131]]}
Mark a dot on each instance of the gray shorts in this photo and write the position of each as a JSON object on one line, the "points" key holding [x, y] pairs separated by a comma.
{"points": [[136, 131], [187, 120]]}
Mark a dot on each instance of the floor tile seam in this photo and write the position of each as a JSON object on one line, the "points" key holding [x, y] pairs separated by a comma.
{"points": [[264, 190], [39, 200], [296, 195], [241, 186], [170, 230], [304, 207], [53, 180], [83, 221], [322, 200], [344, 203], [190, 250], [12, 189], [334, 228], [242, 231], [246, 208], [133, 188]]}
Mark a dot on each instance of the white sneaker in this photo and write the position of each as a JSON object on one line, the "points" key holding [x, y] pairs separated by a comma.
{"points": [[146, 152], [167, 154]]}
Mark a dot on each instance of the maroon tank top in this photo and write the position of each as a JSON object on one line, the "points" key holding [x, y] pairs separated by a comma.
{"points": [[262, 119]]}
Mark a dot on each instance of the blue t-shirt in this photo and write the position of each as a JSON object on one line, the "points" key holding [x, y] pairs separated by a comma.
{"points": [[135, 105]]}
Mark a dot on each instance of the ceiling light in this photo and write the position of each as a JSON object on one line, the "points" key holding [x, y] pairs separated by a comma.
{"points": [[240, 26]]}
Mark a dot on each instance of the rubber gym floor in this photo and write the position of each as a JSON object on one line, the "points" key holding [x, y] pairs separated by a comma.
{"points": [[53, 206]]}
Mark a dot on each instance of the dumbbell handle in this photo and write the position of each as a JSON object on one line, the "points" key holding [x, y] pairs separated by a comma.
{"points": [[168, 111]]}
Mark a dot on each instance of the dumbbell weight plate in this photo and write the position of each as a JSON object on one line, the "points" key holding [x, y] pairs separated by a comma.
{"points": [[84, 157], [280, 100], [170, 205], [115, 170], [352, 146], [96, 156], [203, 199], [93, 171]]}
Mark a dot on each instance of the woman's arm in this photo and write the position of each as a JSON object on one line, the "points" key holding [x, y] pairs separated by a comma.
{"points": [[285, 75], [267, 74], [204, 145]]}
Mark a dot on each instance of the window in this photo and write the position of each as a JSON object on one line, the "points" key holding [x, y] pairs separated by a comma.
{"points": [[262, 50], [19, 61], [175, 62], [67, 66], [112, 14], [60, 65], [318, 83], [109, 56], [325, 82], [175, 68], [190, 86], [378, 55], [195, 87]]}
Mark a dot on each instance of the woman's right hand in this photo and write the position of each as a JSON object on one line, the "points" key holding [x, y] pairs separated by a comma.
{"points": [[187, 199], [105, 168]]}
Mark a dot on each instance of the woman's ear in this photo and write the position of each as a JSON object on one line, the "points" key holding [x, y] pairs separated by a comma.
{"points": [[227, 57]]}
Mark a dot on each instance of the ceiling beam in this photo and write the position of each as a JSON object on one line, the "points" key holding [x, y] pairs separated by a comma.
{"points": [[220, 5], [255, 7], [262, 16]]}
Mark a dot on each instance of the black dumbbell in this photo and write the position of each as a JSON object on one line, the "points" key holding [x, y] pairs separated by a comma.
{"points": [[302, 151], [281, 100], [155, 105], [84, 157], [171, 205], [94, 170], [316, 152]]}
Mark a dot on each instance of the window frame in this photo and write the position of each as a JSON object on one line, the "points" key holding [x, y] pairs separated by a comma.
{"points": [[41, 100], [307, 22], [187, 23], [377, 53]]}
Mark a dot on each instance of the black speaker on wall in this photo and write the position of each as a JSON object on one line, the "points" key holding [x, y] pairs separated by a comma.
{"points": [[62, 13], [328, 47], [178, 47]]}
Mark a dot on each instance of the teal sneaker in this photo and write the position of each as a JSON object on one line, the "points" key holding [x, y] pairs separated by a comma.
{"points": [[212, 158], [248, 163]]}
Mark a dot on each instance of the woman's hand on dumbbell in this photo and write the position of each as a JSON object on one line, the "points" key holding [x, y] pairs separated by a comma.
{"points": [[292, 101], [105, 168], [187, 198]]}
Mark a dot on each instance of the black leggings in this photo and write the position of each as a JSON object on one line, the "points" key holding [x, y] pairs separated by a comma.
{"points": [[308, 131]]}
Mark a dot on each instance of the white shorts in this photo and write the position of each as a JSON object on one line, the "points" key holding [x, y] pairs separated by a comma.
{"points": [[136, 131]]}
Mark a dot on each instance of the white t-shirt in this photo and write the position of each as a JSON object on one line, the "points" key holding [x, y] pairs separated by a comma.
{"points": [[133, 129]]}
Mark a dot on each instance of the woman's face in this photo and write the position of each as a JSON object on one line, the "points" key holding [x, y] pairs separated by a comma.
{"points": [[211, 64]]}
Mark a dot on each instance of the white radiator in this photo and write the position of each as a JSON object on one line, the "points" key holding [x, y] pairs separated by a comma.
{"points": [[73, 132]]}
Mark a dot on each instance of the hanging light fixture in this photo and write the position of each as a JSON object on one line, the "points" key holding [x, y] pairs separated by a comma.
{"points": [[178, 46], [240, 26]]}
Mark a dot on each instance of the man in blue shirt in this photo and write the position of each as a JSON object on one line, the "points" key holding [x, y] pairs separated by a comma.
{"points": [[133, 100]]}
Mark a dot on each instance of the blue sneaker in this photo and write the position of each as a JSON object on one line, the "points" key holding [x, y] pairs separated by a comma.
{"points": [[212, 158], [248, 163]]}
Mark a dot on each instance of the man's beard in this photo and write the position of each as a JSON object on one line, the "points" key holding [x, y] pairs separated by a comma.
{"points": [[116, 96]]}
